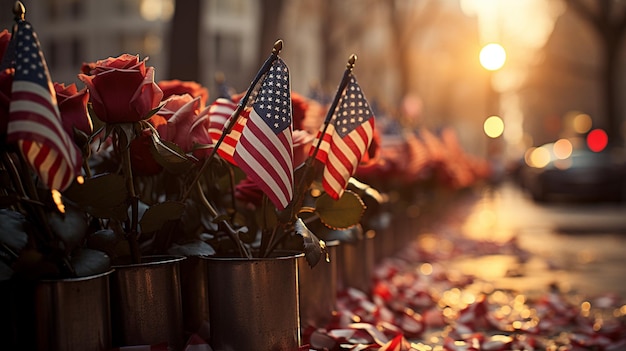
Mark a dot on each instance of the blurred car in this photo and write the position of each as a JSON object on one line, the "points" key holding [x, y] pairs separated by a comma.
{"points": [[570, 171]]}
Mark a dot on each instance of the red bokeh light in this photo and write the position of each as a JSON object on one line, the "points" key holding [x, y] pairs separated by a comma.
{"points": [[597, 140]]}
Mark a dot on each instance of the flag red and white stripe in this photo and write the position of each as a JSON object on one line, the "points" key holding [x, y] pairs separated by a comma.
{"points": [[34, 118], [264, 150], [219, 114], [346, 140]]}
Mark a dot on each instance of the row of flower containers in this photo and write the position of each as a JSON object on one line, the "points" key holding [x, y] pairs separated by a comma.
{"points": [[135, 213]]}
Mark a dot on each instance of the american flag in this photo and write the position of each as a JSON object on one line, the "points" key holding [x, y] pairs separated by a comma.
{"points": [[219, 113], [346, 140], [264, 149], [34, 118]]}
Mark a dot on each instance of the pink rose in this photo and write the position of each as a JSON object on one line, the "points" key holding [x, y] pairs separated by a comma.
{"points": [[187, 124], [73, 107], [178, 87], [122, 89]]}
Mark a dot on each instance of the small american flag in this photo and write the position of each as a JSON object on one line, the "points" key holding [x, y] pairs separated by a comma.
{"points": [[219, 114], [346, 140], [264, 149], [34, 118]]}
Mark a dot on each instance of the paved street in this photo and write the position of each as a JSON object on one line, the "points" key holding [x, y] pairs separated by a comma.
{"points": [[580, 247]]}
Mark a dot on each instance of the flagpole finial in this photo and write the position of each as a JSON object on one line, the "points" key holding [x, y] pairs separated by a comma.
{"points": [[19, 10], [278, 46], [351, 62]]}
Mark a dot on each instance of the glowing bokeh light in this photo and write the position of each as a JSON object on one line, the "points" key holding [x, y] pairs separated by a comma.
{"points": [[493, 126], [582, 123], [492, 56], [562, 149], [540, 157], [597, 140]]}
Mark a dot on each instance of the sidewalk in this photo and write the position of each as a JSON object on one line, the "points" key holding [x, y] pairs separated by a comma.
{"points": [[437, 294]]}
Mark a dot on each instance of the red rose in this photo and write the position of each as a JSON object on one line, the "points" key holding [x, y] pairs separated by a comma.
{"points": [[299, 105], [186, 125], [5, 38], [302, 143], [178, 87], [122, 89], [6, 80], [249, 193], [73, 107], [142, 161]]}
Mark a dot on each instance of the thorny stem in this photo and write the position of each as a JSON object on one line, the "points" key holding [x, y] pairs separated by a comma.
{"points": [[232, 233]]}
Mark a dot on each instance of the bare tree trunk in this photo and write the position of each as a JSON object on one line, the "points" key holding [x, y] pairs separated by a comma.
{"points": [[184, 53], [610, 26]]}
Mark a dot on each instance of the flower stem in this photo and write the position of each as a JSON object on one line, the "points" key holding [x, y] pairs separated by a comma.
{"points": [[132, 233], [232, 233]]}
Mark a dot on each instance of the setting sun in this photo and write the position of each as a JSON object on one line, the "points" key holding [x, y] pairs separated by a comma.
{"points": [[492, 56]]}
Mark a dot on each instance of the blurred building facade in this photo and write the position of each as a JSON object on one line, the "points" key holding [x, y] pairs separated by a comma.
{"points": [[417, 60], [566, 80]]}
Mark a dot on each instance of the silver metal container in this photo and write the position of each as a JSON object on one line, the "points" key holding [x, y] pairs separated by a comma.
{"points": [[73, 314], [318, 288], [146, 306], [253, 303], [194, 286], [356, 263]]}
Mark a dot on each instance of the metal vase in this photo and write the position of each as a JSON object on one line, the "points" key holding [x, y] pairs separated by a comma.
{"points": [[146, 306], [318, 289], [59, 315], [356, 263], [253, 303], [194, 286]]}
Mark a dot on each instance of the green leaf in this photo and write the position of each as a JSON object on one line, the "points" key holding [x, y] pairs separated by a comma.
{"points": [[88, 262], [170, 155], [103, 196], [153, 112], [71, 227], [340, 214], [109, 242], [97, 122], [128, 129], [154, 217], [312, 246], [12, 232], [194, 248]]}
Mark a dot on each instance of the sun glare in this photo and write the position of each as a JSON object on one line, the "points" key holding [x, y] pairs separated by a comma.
{"points": [[492, 56]]}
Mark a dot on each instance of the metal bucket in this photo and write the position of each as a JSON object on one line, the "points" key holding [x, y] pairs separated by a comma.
{"points": [[146, 306], [356, 263], [62, 323], [318, 289], [62, 314], [253, 303], [194, 288]]}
